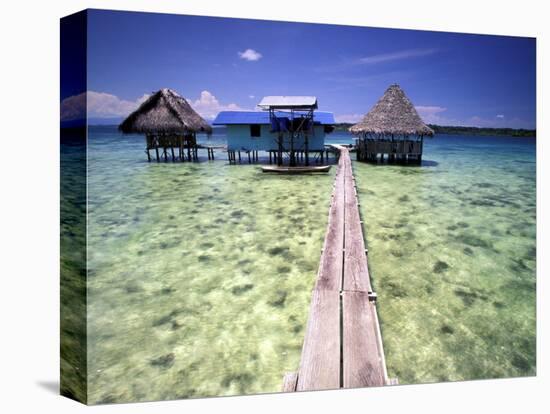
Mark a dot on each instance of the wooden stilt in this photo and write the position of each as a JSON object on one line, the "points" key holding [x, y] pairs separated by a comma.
{"points": [[307, 149], [280, 150]]}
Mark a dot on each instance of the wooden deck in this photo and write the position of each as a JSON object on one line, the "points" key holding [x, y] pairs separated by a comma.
{"points": [[342, 346]]}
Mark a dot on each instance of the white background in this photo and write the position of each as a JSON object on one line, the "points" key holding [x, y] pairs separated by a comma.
{"points": [[29, 203]]}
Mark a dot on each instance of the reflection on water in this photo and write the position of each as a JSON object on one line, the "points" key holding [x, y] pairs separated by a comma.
{"points": [[452, 253]]}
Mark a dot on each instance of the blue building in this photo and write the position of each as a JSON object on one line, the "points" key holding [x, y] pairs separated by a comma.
{"points": [[288, 127]]}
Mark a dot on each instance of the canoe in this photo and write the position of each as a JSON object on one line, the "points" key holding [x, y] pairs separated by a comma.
{"points": [[296, 170]]}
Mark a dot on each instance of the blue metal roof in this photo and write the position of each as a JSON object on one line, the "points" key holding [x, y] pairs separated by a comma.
{"points": [[262, 117]]}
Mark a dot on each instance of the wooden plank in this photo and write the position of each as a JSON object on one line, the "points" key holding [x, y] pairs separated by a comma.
{"points": [[329, 276], [289, 382], [356, 271], [320, 363], [358, 331], [362, 355]]}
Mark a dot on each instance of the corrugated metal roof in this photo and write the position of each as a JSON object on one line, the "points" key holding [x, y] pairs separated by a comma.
{"points": [[262, 117], [288, 101]]}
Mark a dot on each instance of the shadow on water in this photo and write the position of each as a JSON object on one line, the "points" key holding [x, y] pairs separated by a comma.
{"points": [[429, 163], [50, 386], [425, 163]]}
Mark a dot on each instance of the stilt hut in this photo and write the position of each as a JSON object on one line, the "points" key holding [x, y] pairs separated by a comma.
{"points": [[392, 129], [250, 132], [296, 125], [170, 126]]}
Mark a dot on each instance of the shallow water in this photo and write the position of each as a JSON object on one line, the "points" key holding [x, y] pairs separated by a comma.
{"points": [[452, 250], [73, 264], [200, 273]]}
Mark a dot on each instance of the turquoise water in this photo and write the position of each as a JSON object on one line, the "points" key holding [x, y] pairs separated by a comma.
{"points": [[200, 273], [452, 255], [73, 322]]}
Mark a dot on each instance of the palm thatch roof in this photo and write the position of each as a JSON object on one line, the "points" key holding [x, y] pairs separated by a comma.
{"points": [[164, 112], [393, 114]]}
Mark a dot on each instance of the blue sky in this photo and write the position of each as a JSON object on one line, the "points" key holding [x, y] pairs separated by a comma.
{"points": [[221, 64]]}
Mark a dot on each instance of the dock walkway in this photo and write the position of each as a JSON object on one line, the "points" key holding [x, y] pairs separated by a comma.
{"points": [[343, 345]]}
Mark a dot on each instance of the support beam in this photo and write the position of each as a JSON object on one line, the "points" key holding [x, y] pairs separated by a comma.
{"points": [[289, 382]]}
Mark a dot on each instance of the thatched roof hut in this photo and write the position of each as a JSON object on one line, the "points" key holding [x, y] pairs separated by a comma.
{"points": [[165, 112], [393, 114]]}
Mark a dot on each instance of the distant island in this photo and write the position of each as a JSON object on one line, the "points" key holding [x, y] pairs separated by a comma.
{"points": [[343, 126], [464, 130]]}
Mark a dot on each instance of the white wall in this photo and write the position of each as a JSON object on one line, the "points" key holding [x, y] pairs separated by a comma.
{"points": [[238, 138]]}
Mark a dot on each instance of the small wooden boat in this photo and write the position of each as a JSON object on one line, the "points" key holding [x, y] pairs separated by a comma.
{"points": [[296, 170]]}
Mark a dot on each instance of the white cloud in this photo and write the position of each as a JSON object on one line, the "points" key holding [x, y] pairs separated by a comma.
{"points": [[349, 118], [208, 106], [403, 54], [97, 105], [105, 105], [500, 116], [251, 96], [429, 109], [430, 114], [251, 55], [73, 107]]}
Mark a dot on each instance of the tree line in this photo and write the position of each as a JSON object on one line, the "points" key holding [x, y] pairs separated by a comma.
{"points": [[465, 130]]}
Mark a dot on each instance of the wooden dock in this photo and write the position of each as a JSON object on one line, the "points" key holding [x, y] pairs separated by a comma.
{"points": [[343, 345]]}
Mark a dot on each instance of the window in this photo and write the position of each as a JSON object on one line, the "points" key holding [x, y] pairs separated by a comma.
{"points": [[255, 130]]}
